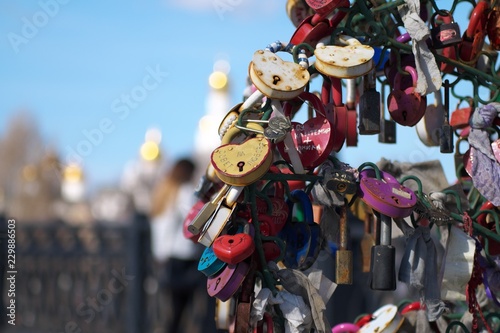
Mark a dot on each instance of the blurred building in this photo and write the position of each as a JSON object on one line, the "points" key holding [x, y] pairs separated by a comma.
{"points": [[217, 105], [140, 175]]}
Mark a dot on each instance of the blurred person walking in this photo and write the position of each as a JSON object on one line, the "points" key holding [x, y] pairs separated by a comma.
{"points": [[177, 257]]}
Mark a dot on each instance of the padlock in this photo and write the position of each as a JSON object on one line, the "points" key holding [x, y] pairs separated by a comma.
{"points": [[405, 105], [224, 314], [276, 78], [297, 11], [217, 222], [387, 126], [446, 34], [495, 148], [446, 138], [245, 301], [241, 164], [352, 114], [345, 328], [349, 61], [368, 241], [336, 111], [313, 140], [323, 8], [209, 264], [385, 319], [297, 232], [193, 212], [311, 30], [429, 127], [225, 284], [206, 213], [369, 106], [383, 259], [385, 194], [474, 36], [340, 181], [272, 213], [343, 256], [234, 248], [493, 27], [459, 119]]}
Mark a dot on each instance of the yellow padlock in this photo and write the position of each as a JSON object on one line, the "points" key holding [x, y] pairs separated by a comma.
{"points": [[240, 160]]}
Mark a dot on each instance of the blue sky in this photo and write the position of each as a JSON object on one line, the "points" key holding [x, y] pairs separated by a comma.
{"points": [[73, 67]]}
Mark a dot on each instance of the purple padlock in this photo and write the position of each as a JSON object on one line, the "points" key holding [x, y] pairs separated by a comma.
{"points": [[386, 195], [227, 283]]}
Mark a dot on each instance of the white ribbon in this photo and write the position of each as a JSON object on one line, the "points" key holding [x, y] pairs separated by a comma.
{"points": [[429, 76]]}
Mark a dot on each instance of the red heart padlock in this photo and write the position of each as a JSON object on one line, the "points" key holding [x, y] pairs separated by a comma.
{"points": [[313, 139], [406, 106], [314, 28], [233, 249], [473, 38]]}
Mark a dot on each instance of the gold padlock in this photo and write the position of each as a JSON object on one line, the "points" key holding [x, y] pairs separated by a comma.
{"points": [[244, 162]]}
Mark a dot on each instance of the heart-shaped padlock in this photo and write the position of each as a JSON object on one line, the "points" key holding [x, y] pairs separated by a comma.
{"points": [[226, 284], [405, 105], [385, 194], [314, 27], [429, 127], [275, 77], [313, 139], [272, 218], [233, 249], [241, 164], [349, 61], [209, 264]]}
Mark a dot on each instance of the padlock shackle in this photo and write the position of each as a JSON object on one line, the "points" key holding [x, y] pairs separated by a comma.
{"points": [[398, 77], [478, 18], [304, 210]]}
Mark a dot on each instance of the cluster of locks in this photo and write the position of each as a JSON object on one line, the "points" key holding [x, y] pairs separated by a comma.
{"points": [[275, 198]]}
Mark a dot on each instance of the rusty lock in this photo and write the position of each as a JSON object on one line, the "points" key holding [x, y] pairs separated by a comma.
{"points": [[343, 271]]}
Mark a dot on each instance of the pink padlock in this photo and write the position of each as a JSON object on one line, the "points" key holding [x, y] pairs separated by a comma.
{"points": [[495, 146], [345, 328], [405, 105]]}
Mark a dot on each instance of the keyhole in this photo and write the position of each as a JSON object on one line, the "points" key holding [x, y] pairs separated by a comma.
{"points": [[276, 79], [396, 200], [240, 166], [217, 283]]}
